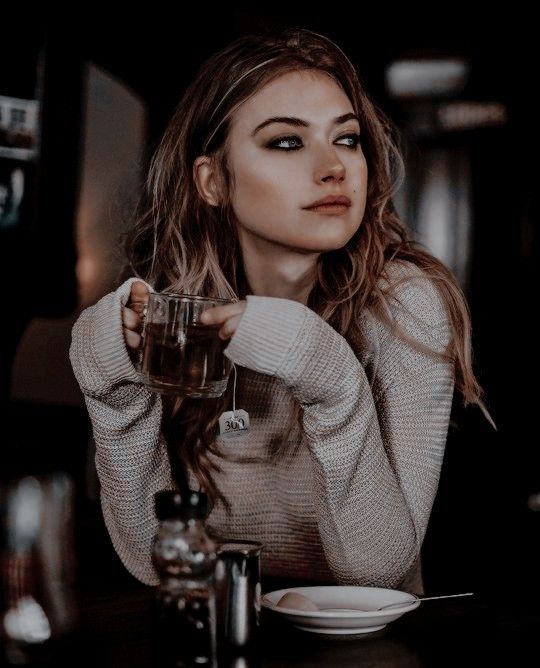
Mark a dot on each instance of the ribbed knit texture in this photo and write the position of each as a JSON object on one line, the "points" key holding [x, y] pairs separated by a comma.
{"points": [[352, 506]]}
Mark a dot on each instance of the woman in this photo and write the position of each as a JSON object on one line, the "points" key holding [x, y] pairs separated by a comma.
{"points": [[349, 336]]}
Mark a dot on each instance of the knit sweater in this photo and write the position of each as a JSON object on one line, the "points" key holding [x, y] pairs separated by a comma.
{"points": [[353, 504]]}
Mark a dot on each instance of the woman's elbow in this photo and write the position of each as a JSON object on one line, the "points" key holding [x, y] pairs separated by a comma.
{"points": [[133, 548]]}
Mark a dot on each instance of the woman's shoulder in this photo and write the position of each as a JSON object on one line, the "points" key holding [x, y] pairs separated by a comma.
{"points": [[410, 291], [410, 303]]}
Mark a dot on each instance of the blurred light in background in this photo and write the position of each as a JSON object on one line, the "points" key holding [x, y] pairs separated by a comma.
{"points": [[424, 77], [436, 198], [114, 134]]}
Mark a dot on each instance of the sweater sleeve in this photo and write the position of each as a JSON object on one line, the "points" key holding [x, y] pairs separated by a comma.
{"points": [[376, 448], [131, 455]]}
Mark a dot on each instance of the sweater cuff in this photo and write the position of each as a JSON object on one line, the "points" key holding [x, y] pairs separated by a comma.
{"points": [[108, 337], [284, 338], [267, 331]]}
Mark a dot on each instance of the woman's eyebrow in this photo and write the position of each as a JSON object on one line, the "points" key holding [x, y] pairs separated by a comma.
{"points": [[298, 122]]}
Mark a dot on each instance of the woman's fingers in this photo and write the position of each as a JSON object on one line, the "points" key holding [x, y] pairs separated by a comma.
{"points": [[138, 298], [133, 340], [229, 328], [132, 327], [138, 307], [218, 314], [228, 316], [132, 314], [131, 319], [139, 292]]}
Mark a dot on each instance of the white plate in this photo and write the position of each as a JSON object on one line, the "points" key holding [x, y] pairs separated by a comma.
{"points": [[343, 609]]}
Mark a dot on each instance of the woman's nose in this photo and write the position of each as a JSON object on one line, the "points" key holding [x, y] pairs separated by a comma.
{"points": [[330, 167]]}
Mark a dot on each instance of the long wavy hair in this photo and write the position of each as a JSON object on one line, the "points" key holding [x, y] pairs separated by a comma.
{"points": [[180, 243]]}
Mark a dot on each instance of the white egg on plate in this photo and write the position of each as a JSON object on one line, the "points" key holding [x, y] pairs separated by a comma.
{"points": [[296, 601]]}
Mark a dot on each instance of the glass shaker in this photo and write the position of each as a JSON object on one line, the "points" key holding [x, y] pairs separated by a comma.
{"points": [[184, 556]]}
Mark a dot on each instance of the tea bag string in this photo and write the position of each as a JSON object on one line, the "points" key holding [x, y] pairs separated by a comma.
{"points": [[234, 396]]}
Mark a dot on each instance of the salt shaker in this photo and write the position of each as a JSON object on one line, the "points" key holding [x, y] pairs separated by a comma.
{"points": [[238, 593]]}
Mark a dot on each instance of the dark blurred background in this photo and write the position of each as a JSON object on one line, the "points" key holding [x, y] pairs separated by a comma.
{"points": [[82, 105]]}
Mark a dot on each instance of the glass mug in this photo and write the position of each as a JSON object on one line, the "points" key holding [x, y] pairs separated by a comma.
{"points": [[180, 355]]}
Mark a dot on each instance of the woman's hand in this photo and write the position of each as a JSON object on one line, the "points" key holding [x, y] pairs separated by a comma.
{"points": [[132, 315], [228, 316]]}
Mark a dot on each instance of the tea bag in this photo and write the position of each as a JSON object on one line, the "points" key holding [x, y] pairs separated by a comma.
{"points": [[236, 422]]}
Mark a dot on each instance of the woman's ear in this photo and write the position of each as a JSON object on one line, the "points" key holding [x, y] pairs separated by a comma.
{"points": [[206, 180]]}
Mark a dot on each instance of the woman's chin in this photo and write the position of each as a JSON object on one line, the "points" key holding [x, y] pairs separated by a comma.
{"points": [[323, 244], [317, 248], [323, 239]]}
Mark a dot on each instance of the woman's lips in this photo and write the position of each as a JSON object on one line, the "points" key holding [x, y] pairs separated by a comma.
{"points": [[330, 209]]}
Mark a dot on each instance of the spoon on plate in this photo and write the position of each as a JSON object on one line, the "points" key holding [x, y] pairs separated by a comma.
{"points": [[427, 598]]}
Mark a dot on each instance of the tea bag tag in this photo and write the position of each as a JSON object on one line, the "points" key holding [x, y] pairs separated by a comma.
{"points": [[233, 423], [236, 422]]}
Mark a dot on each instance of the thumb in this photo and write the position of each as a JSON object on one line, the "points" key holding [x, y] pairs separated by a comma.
{"points": [[139, 292]]}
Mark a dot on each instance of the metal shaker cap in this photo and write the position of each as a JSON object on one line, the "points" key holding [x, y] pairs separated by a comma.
{"points": [[246, 547]]}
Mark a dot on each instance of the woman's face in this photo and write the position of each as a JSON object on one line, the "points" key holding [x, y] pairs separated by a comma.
{"points": [[283, 167]]}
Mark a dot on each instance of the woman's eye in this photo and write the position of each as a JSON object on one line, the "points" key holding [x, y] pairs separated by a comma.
{"points": [[355, 137], [275, 144]]}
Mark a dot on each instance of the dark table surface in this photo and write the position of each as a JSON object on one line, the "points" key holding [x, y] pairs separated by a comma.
{"points": [[114, 630]]}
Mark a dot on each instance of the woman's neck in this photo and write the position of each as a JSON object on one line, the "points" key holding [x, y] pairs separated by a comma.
{"points": [[276, 271]]}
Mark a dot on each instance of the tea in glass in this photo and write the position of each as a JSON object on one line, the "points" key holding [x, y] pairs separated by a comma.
{"points": [[181, 355]]}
